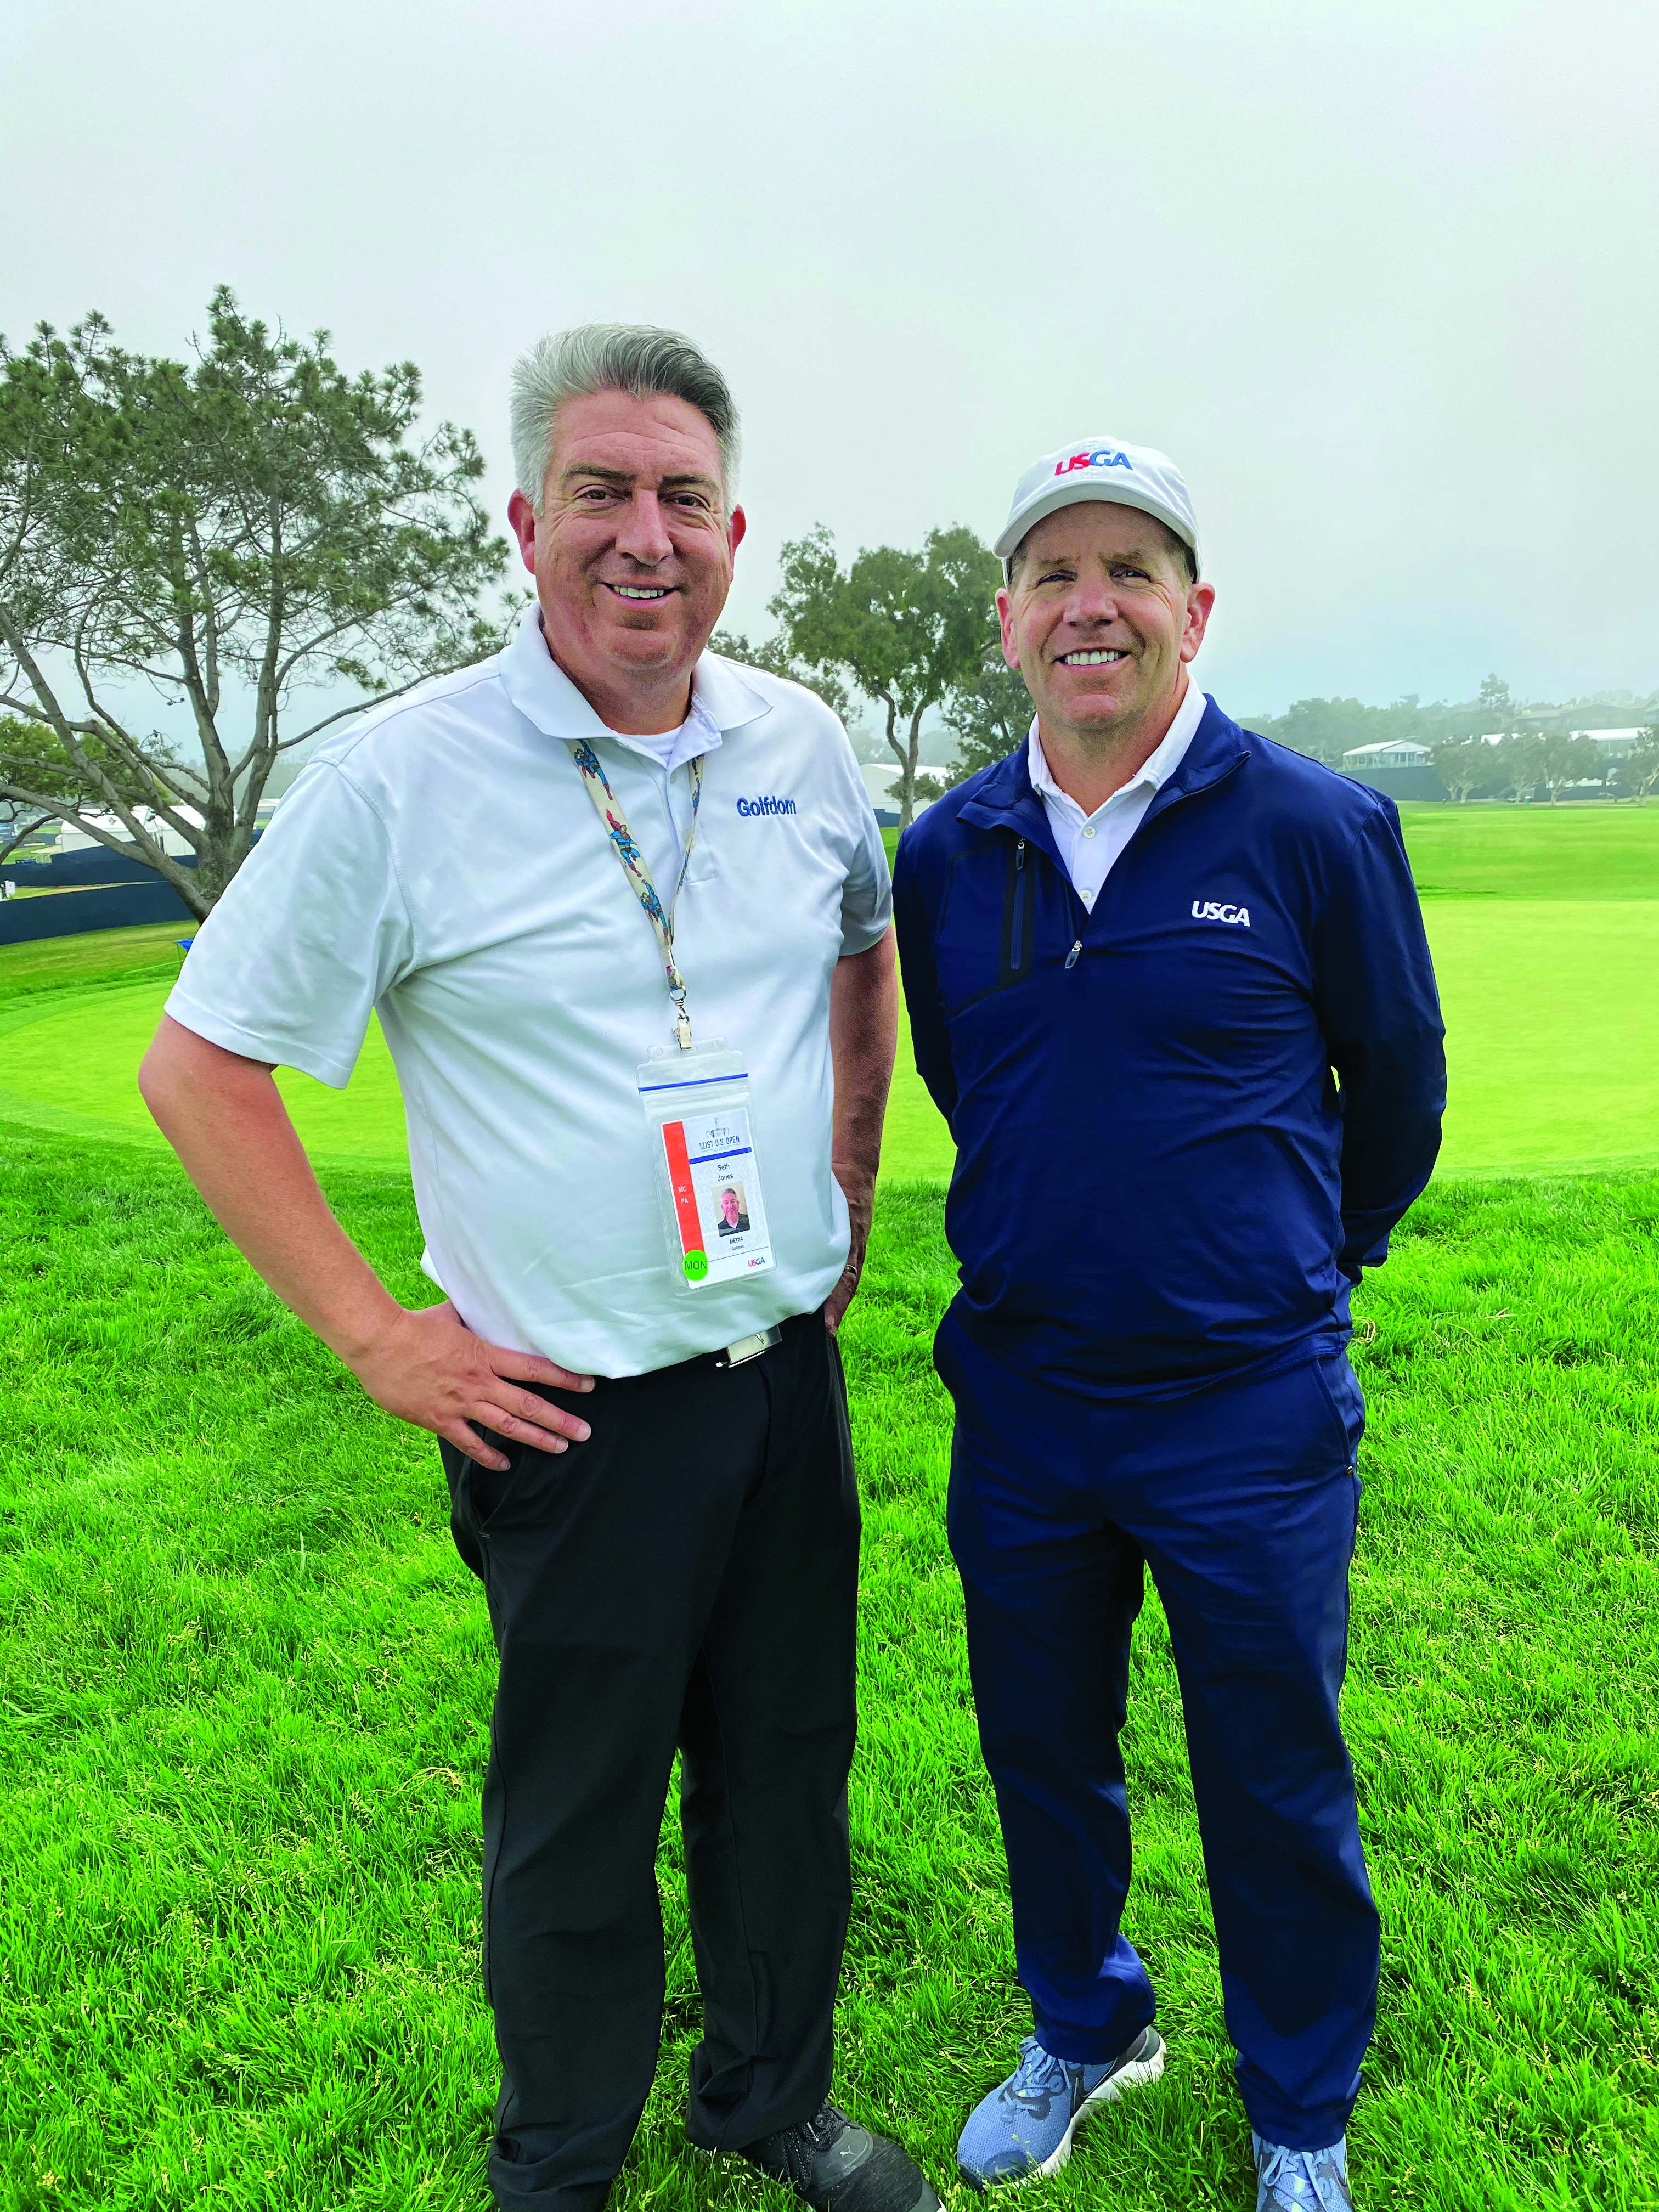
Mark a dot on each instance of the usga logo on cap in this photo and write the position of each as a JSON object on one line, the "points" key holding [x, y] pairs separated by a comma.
{"points": [[1100, 468], [1105, 459]]}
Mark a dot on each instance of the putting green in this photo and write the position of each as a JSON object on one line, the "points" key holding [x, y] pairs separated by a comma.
{"points": [[1545, 926], [70, 1062]]}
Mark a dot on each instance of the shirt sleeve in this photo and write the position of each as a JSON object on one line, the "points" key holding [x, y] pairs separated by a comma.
{"points": [[310, 932], [917, 915], [866, 898], [1380, 1014]]}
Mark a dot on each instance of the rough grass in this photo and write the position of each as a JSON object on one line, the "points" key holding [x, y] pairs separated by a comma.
{"points": [[246, 1683]]}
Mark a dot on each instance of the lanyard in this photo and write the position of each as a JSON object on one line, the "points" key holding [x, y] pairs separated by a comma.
{"points": [[608, 807]]}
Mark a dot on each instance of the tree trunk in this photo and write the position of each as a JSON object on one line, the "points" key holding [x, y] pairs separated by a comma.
{"points": [[908, 768]]}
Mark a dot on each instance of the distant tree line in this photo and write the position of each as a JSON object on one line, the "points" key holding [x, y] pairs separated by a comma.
{"points": [[1523, 763], [1326, 729], [1535, 748], [229, 532]]}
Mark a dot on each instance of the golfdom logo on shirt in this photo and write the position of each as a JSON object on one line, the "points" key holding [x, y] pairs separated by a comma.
{"points": [[1207, 910], [766, 806]]}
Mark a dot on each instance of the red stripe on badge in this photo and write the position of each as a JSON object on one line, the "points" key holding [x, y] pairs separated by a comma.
{"points": [[680, 1176]]}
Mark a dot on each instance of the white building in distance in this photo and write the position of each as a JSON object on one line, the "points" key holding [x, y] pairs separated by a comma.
{"points": [[1614, 744], [1395, 753], [73, 839]]}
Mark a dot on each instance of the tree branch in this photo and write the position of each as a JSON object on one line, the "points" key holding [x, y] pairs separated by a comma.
{"points": [[203, 584], [90, 770], [21, 836], [183, 880]]}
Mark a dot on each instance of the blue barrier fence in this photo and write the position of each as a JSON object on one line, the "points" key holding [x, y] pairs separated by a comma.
{"points": [[1400, 782], [99, 889]]}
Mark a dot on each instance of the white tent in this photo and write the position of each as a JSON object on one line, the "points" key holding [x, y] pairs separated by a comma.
{"points": [[1398, 752]]}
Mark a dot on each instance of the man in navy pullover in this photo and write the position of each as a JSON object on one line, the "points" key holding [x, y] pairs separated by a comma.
{"points": [[1169, 984]]}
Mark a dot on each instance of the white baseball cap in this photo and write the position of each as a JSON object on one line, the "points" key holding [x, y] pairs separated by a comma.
{"points": [[1101, 468]]}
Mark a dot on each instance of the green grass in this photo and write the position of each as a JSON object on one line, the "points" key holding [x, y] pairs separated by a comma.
{"points": [[96, 956], [1544, 923], [1552, 1011], [247, 1687], [1591, 851]]}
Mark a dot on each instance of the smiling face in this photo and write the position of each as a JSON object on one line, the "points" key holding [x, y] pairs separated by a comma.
{"points": [[1100, 619], [729, 1206], [632, 552]]}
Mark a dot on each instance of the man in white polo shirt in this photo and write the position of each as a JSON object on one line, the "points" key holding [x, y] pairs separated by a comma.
{"points": [[623, 909]]}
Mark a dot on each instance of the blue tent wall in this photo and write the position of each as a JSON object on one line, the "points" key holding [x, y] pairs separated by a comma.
{"points": [[1400, 782], [101, 889]]}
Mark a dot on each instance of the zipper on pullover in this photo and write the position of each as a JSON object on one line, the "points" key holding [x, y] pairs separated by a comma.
{"points": [[1017, 919]]}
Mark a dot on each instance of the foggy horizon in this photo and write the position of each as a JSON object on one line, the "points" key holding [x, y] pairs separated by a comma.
{"points": [[1380, 284]]}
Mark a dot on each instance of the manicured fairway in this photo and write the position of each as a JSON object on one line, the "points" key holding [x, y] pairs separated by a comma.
{"points": [[1544, 923], [1565, 852], [70, 1061], [246, 1686], [1552, 1011]]}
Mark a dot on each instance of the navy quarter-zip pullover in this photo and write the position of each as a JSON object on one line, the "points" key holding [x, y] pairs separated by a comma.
{"points": [[1183, 1121]]}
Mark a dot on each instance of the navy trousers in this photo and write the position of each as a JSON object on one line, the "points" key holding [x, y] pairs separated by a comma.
{"points": [[1241, 1500]]}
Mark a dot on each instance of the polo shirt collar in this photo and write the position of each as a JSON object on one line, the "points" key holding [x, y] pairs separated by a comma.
{"points": [[1006, 798], [1152, 775], [545, 696], [730, 702]]}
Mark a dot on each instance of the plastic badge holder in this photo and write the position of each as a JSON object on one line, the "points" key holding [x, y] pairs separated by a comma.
{"points": [[697, 1106]]}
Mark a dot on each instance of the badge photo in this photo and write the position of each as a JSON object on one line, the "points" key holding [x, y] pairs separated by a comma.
{"points": [[697, 1105]]}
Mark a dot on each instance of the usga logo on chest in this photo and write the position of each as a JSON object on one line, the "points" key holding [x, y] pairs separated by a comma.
{"points": [[1207, 910]]}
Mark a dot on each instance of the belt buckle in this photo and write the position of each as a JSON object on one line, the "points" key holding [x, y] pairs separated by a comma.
{"points": [[748, 1347]]}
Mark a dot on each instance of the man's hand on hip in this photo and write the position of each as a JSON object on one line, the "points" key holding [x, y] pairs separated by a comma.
{"points": [[427, 1368], [225, 1118]]}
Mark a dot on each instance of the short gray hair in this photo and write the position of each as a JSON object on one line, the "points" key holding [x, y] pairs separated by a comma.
{"points": [[632, 357]]}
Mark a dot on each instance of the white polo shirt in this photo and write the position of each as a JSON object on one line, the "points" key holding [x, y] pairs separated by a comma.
{"points": [[1091, 844], [442, 862]]}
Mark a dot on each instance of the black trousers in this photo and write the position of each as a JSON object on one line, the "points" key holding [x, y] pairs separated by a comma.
{"points": [[686, 1578]]}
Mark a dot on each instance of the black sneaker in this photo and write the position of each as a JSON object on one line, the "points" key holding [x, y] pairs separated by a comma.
{"points": [[835, 2165]]}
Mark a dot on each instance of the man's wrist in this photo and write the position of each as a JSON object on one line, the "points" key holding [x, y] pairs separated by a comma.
{"points": [[356, 1335], [857, 1181]]}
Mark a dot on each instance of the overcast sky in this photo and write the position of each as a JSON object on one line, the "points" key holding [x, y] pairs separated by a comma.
{"points": [[1382, 278]]}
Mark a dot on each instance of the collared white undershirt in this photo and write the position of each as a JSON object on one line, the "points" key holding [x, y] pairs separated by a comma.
{"points": [[672, 749], [1088, 844]]}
